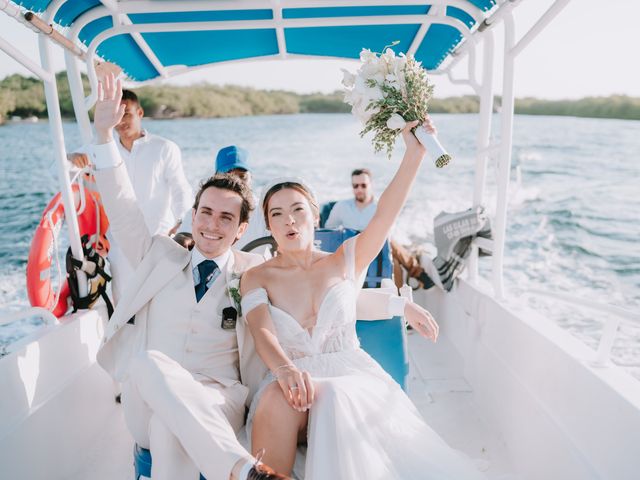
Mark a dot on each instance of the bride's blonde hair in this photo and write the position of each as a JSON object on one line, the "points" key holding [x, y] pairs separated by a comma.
{"points": [[298, 187]]}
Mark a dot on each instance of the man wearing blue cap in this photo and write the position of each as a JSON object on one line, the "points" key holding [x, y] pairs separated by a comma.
{"points": [[233, 160]]}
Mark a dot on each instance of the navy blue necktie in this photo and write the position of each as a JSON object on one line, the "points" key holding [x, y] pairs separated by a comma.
{"points": [[205, 269]]}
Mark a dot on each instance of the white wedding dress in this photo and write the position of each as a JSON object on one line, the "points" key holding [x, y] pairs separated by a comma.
{"points": [[361, 424]]}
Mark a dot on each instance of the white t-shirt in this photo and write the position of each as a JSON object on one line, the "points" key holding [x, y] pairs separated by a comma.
{"points": [[346, 214]]}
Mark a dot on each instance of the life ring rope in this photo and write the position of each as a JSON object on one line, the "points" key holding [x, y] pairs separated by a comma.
{"points": [[56, 255]]}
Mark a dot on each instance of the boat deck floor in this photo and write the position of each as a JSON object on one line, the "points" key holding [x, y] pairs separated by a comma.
{"points": [[436, 386]]}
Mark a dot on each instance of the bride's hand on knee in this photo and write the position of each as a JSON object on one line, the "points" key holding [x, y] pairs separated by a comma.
{"points": [[297, 387]]}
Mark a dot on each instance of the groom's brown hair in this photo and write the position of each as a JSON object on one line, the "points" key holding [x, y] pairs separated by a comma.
{"points": [[227, 181]]}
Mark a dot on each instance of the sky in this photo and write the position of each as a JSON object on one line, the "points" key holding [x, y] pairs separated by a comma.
{"points": [[585, 51]]}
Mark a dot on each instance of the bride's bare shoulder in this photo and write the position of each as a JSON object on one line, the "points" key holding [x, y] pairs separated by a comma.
{"points": [[257, 277]]}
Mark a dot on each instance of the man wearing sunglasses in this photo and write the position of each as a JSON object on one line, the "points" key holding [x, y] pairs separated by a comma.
{"points": [[355, 213]]}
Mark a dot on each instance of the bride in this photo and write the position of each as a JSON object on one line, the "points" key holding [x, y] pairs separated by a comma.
{"points": [[322, 387]]}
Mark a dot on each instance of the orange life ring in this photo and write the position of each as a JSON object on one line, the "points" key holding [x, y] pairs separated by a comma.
{"points": [[92, 221]]}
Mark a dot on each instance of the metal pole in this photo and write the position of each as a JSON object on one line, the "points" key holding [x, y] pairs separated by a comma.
{"points": [[504, 163], [57, 135], [483, 138], [77, 97], [22, 59]]}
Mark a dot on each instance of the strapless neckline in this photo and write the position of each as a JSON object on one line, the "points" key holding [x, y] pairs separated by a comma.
{"points": [[327, 294]]}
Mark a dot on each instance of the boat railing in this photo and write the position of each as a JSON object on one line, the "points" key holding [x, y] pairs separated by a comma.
{"points": [[615, 316], [47, 317]]}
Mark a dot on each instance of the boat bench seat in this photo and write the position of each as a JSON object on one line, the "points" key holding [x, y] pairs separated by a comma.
{"points": [[383, 339]]}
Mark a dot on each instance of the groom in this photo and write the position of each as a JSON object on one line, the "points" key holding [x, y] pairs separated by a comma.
{"points": [[174, 339]]}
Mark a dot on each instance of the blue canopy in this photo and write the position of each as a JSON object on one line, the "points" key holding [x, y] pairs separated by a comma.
{"points": [[152, 35]]}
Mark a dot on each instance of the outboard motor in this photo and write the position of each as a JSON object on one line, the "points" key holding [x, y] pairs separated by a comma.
{"points": [[453, 234]]}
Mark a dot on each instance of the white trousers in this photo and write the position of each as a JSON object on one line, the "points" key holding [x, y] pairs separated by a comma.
{"points": [[189, 425]]}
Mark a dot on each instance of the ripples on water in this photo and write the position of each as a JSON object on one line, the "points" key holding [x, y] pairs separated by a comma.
{"points": [[574, 221]]}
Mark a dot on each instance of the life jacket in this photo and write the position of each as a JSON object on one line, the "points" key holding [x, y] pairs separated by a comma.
{"points": [[94, 266]]}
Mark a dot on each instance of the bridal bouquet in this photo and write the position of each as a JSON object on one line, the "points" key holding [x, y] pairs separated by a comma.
{"points": [[387, 91]]}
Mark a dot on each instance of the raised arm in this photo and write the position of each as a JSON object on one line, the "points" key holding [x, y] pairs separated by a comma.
{"points": [[125, 217], [296, 385], [372, 238]]}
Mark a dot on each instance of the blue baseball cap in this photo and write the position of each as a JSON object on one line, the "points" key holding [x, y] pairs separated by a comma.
{"points": [[232, 157]]}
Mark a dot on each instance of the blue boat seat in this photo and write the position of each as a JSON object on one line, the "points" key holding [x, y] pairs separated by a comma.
{"points": [[142, 463], [329, 239], [386, 341]]}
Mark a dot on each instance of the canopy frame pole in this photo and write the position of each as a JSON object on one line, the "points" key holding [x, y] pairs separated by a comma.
{"points": [[57, 136], [147, 6], [435, 10], [77, 98], [276, 8], [483, 140], [511, 51], [25, 61], [144, 46], [7, 47], [504, 159]]}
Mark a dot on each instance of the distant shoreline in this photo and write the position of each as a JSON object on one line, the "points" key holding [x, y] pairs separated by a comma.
{"points": [[23, 98]]}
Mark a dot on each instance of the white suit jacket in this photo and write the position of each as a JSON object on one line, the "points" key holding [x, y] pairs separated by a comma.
{"points": [[156, 261]]}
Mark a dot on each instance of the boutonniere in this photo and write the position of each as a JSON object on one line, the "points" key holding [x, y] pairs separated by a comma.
{"points": [[233, 291]]}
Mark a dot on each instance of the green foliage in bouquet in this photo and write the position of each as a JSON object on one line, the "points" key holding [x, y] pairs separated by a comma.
{"points": [[410, 102]]}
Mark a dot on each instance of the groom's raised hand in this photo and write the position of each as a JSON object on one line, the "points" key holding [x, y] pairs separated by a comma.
{"points": [[109, 110]]}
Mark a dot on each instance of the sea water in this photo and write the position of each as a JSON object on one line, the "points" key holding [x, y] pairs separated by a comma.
{"points": [[574, 201]]}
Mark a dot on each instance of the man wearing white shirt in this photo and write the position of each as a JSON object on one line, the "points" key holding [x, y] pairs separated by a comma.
{"points": [[154, 166]]}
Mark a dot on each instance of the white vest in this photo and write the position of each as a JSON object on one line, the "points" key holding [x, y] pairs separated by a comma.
{"points": [[193, 335]]}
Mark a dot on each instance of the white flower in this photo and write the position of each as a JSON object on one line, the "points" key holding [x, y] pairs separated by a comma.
{"points": [[348, 78], [367, 56], [234, 283], [379, 78], [396, 122], [368, 70], [389, 56], [361, 113]]}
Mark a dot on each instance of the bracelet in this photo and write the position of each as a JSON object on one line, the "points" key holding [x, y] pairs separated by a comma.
{"points": [[285, 365], [395, 307]]}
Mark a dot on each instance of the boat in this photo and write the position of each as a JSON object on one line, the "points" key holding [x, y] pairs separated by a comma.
{"points": [[503, 384]]}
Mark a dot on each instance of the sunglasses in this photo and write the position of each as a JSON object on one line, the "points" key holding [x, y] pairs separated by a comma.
{"points": [[359, 185]]}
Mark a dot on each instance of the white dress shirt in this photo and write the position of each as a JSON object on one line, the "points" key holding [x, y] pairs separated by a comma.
{"points": [[197, 257], [154, 165], [345, 213]]}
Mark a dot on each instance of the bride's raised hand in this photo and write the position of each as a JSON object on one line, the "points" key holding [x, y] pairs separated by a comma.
{"points": [[421, 320], [297, 387], [410, 140], [109, 111]]}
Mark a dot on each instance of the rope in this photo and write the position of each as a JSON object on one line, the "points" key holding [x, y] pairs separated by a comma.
{"points": [[55, 246]]}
